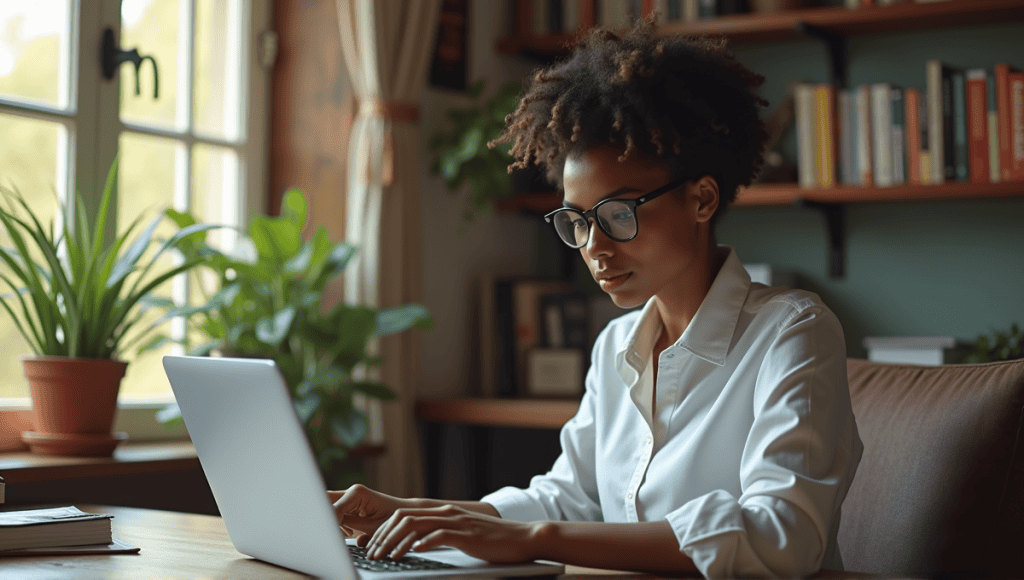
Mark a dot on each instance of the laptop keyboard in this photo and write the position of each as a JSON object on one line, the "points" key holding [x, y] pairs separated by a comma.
{"points": [[406, 564]]}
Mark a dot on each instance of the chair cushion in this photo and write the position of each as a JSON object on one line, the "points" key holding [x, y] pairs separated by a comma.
{"points": [[940, 488]]}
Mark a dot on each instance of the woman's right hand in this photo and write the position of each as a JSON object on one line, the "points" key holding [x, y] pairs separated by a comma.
{"points": [[361, 510]]}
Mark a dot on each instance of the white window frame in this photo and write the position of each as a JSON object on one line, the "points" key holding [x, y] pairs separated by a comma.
{"points": [[93, 118]]}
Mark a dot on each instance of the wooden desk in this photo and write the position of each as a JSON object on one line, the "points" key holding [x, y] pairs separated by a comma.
{"points": [[178, 545]]}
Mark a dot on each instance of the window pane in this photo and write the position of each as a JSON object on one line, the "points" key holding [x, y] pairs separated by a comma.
{"points": [[150, 171], [31, 154], [33, 51], [156, 28], [218, 74], [215, 199]]}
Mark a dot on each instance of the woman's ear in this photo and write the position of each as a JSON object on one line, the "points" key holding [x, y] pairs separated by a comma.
{"points": [[706, 189]]}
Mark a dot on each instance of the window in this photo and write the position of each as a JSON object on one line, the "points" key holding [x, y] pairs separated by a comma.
{"points": [[199, 145]]}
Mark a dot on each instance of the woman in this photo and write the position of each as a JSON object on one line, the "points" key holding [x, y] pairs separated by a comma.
{"points": [[716, 433]]}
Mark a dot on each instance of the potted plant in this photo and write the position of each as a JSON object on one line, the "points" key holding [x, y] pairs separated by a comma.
{"points": [[74, 308], [997, 346], [270, 305], [462, 154]]}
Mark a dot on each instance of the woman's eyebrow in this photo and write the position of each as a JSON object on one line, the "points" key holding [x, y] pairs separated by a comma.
{"points": [[615, 193]]}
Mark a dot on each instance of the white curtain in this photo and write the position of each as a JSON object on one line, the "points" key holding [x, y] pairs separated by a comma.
{"points": [[387, 46]]}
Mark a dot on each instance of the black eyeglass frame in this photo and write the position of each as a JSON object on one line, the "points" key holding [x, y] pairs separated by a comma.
{"points": [[632, 203]]}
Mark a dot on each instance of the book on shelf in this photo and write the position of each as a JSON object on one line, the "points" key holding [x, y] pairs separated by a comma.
{"points": [[882, 130], [1016, 86], [899, 170], [1003, 112], [2, 491], [676, 10], [992, 120], [924, 147], [805, 120], [941, 120], [864, 136], [977, 125], [847, 138], [826, 150], [52, 527], [613, 13], [961, 155], [912, 100]]}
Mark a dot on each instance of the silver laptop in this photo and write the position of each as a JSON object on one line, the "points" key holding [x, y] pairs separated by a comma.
{"points": [[266, 482]]}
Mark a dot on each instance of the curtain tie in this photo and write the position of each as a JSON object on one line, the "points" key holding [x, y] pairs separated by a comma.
{"points": [[393, 111]]}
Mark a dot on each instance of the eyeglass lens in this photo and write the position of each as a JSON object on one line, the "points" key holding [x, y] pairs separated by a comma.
{"points": [[615, 218]]}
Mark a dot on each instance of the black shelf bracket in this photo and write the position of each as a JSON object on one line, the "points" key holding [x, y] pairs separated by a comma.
{"points": [[835, 224], [838, 51]]}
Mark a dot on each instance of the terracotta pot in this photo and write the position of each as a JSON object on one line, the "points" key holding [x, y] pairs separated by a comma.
{"points": [[74, 401], [772, 6]]}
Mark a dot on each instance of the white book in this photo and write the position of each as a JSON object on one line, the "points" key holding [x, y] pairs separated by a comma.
{"points": [[661, 7], [936, 153], [865, 149], [881, 125], [614, 13], [805, 119], [691, 10]]}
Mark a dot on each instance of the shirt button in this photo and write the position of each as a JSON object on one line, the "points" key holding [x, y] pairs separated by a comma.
{"points": [[629, 495], [649, 439]]}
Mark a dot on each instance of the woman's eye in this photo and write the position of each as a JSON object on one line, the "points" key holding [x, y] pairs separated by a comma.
{"points": [[621, 216]]}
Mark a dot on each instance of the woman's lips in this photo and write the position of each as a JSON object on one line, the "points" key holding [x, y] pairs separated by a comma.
{"points": [[609, 284]]}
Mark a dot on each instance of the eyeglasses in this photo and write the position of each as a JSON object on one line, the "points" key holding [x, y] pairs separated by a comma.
{"points": [[616, 218]]}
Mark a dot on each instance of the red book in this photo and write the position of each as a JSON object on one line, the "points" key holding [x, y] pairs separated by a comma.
{"points": [[1016, 84], [588, 13], [912, 131], [1002, 73], [977, 125], [524, 18], [646, 7]]}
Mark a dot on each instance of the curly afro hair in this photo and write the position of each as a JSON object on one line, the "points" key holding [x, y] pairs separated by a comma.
{"points": [[686, 101]]}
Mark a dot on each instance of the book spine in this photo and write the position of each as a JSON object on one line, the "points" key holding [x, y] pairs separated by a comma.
{"points": [[540, 11], [992, 116], [936, 147], [825, 101], [671, 10], [706, 9], [805, 121], [571, 15], [912, 115], [864, 141], [1002, 74], [556, 12], [899, 172], [881, 113], [977, 126], [925, 147], [948, 126], [691, 10], [846, 138], [523, 17], [960, 126], [1016, 82], [647, 7]]}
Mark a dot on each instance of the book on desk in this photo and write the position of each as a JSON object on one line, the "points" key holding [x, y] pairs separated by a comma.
{"points": [[59, 530]]}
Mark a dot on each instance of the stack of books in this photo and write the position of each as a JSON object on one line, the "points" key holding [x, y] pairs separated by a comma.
{"points": [[59, 530], [542, 17], [964, 126]]}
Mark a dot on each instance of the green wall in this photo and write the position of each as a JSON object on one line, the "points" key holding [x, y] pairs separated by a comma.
{"points": [[950, 268]]}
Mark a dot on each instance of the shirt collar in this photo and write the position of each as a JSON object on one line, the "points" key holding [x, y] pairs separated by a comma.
{"points": [[708, 335]]}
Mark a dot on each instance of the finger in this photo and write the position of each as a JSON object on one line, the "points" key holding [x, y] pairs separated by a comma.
{"points": [[388, 525], [440, 537], [404, 545], [409, 525]]}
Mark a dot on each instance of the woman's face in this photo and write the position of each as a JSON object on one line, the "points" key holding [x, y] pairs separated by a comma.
{"points": [[673, 231]]}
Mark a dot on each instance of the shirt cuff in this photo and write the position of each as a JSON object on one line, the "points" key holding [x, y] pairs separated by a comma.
{"points": [[516, 505]]}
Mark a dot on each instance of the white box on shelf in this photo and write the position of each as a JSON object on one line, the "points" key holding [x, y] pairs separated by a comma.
{"points": [[915, 350], [770, 276]]}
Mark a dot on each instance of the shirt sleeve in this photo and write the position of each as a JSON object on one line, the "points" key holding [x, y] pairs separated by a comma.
{"points": [[796, 466], [569, 491]]}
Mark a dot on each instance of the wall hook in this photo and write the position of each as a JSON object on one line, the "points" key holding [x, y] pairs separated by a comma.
{"points": [[114, 56]]}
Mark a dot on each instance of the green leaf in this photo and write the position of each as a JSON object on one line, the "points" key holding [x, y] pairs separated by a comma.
{"points": [[350, 427], [326, 377], [155, 342], [374, 390], [401, 318], [307, 406], [126, 265], [476, 88], [470, 144], [205, 348], [273, 329], [293, 208], [276, 239]]}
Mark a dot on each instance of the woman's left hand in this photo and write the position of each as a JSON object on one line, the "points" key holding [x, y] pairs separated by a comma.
{"points": [[492, 539]]}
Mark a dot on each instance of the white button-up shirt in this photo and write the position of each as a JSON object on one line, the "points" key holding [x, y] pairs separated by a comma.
{"points": [[750, 450]]}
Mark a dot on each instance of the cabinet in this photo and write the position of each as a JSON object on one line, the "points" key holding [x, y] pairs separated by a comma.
{"points": [[832, 25]]}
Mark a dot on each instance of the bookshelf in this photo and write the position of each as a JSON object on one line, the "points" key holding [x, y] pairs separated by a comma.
{"points": [[516, 413], [747, 28], [832, 26]]}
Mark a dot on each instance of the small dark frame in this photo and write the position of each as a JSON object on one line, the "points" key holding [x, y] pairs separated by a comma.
{"points": [[450, 63]]}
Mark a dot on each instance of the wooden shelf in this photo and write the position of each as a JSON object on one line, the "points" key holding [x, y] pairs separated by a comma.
{"points": [[775, 194], [746, 28], [522, 413]]}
